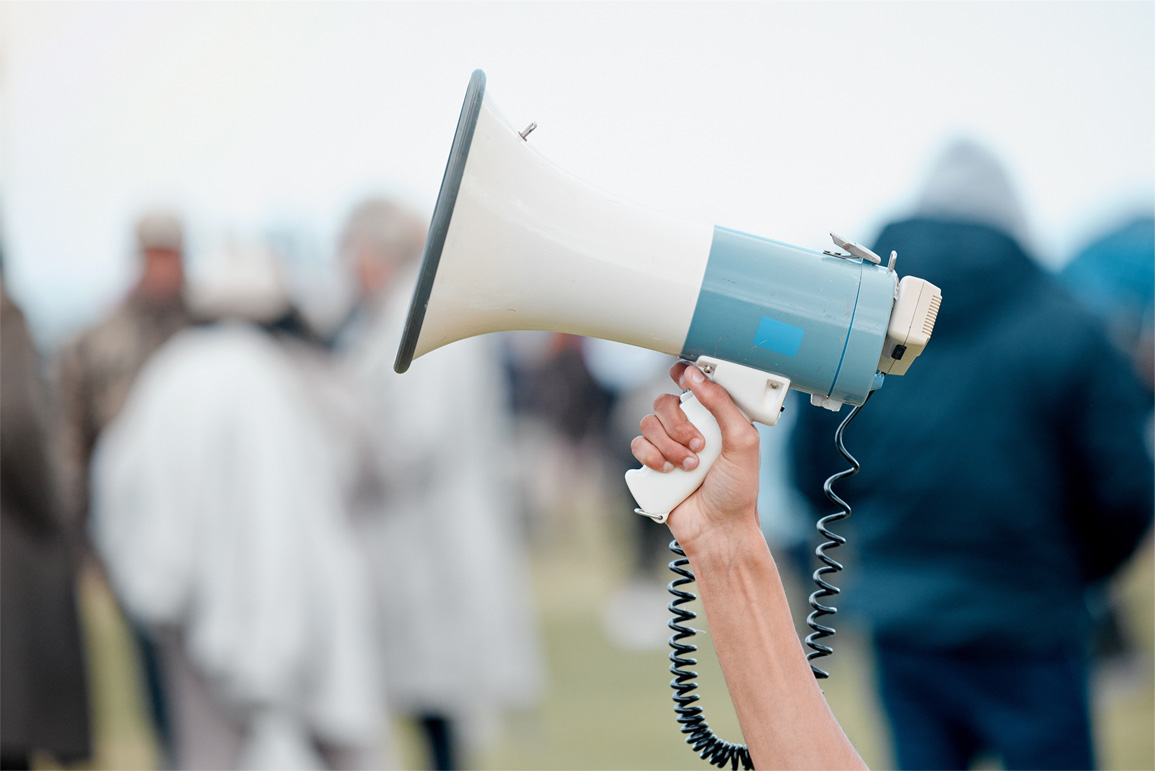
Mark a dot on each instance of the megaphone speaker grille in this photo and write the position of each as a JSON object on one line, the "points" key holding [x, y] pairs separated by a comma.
{"points": [[440, 224]]}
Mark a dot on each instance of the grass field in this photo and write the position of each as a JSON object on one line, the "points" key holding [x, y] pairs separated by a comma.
{"points": [[609, 708]]}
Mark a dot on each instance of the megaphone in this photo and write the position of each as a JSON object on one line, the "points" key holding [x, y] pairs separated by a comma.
{"points": [[516, 243]]}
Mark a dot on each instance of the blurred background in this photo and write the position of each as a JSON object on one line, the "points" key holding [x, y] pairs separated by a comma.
{"points": [[274, 122], [773, 118]]}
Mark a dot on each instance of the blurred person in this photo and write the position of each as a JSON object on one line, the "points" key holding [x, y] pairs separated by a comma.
{"points": [[1113, 277], [97, 367], [1001, 478], [94, 373], [460, 636], [43, 677], [559, 387], [558, 414], [222, 511], [635, 616]]}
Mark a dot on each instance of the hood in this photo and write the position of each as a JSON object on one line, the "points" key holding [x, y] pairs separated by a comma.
{"points": [[1114, 274], [965, 236], [969, 184]]}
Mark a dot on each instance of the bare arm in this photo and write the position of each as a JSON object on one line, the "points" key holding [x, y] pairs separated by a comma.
{"points": [[783, 714]]}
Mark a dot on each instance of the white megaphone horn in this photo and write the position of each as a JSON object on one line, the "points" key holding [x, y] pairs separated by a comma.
{"points": [[518, 244]]}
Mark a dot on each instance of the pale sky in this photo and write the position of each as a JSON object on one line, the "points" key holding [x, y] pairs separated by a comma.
{"points": [[784, 119]]}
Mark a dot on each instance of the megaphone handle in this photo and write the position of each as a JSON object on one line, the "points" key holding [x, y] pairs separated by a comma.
{"points": [[658, 493]]}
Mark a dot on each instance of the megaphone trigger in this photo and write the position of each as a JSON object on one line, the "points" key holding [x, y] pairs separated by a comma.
{"points": [[758, 395]]}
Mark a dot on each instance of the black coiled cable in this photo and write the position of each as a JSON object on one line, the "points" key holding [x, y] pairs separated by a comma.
{"points": [[698, 733], [833, 540]]}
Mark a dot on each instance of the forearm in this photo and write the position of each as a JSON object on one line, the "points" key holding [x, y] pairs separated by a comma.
{"points": [[785, 718]]}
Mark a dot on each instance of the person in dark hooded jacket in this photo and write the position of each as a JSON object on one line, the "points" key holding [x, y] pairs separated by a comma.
{"points": [[1001, 478]]}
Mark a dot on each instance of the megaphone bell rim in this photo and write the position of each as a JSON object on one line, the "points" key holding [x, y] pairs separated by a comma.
{"points": [[440, 223]]}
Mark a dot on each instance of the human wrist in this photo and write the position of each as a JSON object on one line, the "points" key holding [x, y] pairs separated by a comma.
{"points": [[723, 543]]}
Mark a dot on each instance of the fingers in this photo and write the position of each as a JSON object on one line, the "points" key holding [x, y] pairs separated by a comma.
{"points": [[676, 371], [668, 438], [677, 425], [649, 455], [657, 448]]}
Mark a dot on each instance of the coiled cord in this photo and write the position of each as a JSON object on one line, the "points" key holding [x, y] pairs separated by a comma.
{"points": [[698, 733], [829, 566]]}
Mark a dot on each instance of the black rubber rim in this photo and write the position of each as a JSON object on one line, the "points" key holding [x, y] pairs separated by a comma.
{"points": [[443, 212]]}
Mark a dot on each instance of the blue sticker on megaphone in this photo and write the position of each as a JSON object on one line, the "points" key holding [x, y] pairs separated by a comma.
{"points": [[778, 336]]}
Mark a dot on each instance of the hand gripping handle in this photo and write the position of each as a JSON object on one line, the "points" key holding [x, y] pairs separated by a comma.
{"points": [[658, 493], [759, 395]]}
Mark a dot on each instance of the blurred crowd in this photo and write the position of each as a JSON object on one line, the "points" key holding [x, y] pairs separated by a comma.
{"points": [[304, 544], [308, 547]]}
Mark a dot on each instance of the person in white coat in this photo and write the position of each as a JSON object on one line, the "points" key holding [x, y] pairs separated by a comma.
{"points": [[460, 633], [221, 510]]}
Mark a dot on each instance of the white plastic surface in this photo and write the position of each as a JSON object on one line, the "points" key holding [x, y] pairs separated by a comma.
{"points": [[758, 394], [827, 403], [912, 321], [530, 246]]}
